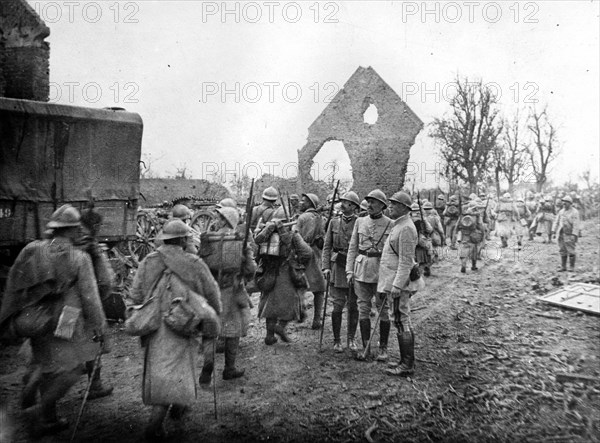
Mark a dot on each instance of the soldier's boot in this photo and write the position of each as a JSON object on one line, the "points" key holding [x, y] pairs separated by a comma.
{"points": [[97, 389], [231, 348], [384, 334], [155, 431], [474, 265], [549, 238], [406, 343], [270, 339], [572, 262], [352, 324], [365, 335], [563, 267], [336, 325], [280, 331], [318, 311], [209, 362]]}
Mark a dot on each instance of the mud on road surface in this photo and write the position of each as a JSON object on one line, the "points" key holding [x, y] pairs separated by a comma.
{"points": [[488, 354]]}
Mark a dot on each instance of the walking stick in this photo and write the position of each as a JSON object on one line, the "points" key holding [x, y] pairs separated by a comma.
{"points": [[215, 380], [364, 356], [87, 392], [324, 311]]}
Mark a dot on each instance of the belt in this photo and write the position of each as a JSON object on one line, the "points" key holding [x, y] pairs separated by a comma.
{"points": [[369, 254], [340, 251]]}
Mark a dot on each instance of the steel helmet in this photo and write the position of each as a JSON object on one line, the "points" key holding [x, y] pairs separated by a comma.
{"points": [[231, 215], [351, 197], [364, 205], [414, 207], [378, 195], [227, 203], [181, 212], [270, 194], [403, 198], [294, 197], [313, 199], [506, 195], [567, 198], [64, 217], [454, 200], [427, 205], [441, 197], [174, 228]]}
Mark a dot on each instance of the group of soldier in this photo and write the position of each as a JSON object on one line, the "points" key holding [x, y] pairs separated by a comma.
{"points": [[361, 253]]}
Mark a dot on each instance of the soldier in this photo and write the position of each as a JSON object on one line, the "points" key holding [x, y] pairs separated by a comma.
{"points": [[310, 227], [471, 233], [424, 249], [437, 236], [282, 288], [566, 227], [235, 316], [335, 252], [294, 206], [522, 221], [397, 262], [183, 213], [532, 204], [440, 207], [362, 268], [55, 273], [504, 222], [364, 208], [263, 213], [450, 219], [544, 219]]}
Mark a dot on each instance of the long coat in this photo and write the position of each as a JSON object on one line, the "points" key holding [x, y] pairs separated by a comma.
{"points": [[335, 248], [310, 227], [170, 359], [283, 300], [56, 266]]}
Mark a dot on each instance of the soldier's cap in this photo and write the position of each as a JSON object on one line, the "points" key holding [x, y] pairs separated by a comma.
{"points": [[352, 197], [64, 217], [403, 198], [174, 228]]}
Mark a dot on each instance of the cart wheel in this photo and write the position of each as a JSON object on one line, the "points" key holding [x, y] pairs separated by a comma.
{"points": [[146, 232], [202, 220]]}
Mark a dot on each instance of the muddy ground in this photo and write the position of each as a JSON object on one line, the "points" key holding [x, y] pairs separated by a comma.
{"points": [[488, 355]]}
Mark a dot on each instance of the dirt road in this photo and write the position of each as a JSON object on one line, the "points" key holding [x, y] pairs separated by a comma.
{"points": [[487, 358]]}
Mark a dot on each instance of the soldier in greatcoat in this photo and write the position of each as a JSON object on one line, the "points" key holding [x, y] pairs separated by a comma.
{"points": [[335, 252], [451, 213], [169, 358], [566, 227], [281, 295], [523, 219], [310, 227], [235, 316], [57, 273], [544, 219], [507, 213], [263, 213], [362, 269], [471, 234]]}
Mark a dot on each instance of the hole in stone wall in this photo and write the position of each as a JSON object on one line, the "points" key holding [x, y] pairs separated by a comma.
{"points": [[331, 164], [371, 115]]}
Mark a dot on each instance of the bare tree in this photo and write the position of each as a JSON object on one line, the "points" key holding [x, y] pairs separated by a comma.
{"points": [[181, 172], [545, 145], [586, 176], [146, 163], [512, 154], [468, 136]]}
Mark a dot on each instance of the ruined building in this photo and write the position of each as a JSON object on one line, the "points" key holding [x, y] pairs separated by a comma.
{"points": [[379, 150], [24, 55]]}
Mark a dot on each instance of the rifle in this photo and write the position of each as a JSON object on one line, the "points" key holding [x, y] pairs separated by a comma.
{"points": [[289, 201], [287, 216], [485, 218], [421, 210], [332, 205], [87, 391], [244, 246]]}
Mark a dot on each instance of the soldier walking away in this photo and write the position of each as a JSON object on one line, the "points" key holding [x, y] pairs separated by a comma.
{"points": [[424, 249], [169, 377], [471, 233], [283, 254], [55, 275], [504, 222], [91, 222], [183, 213], [437, 236], [263, 213], [235, 316], [362, 269], [395, 281], [451, 214], [544, 219], [310, 227], [335, 252], [566, 227], [523, 220]]}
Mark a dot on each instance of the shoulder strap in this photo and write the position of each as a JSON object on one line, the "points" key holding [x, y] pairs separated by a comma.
{"points": [[384, 231]]}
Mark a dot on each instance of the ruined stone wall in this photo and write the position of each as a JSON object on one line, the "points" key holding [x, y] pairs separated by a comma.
{"points": [[378, 152], [24, 55]]}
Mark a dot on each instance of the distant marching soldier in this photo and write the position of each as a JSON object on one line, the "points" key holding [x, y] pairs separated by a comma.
{"points": [[310, 227], [184, 214], [471, 233], [335, 252], [532, 205], [362, 269], [424, 249], [566, 227], [544, 218], [450, 214], [522, 221], [440, 207], [504, 222], [437, 236], [397, 262], [263, 213]]}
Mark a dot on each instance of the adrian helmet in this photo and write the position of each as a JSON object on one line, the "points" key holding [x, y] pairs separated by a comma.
{"points": [[378, 195], [64, 217], [352, 197], [231, 215], [270, 194], [174, 228]]}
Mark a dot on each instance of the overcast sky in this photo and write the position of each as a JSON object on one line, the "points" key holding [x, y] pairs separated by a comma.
{"points": [[234, 86]]}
